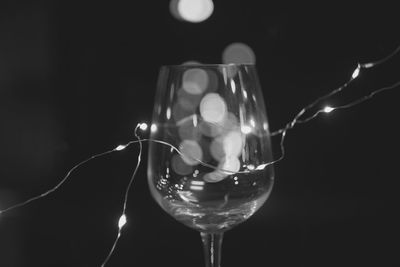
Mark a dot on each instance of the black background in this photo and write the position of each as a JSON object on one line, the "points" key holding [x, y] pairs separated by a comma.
{"points": [[76, 78]]}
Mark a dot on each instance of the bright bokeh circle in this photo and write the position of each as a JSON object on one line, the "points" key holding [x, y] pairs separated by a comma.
{"points": [[238, 53], [192, 10]]}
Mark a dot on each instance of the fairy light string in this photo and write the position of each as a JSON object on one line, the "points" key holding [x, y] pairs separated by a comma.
{"points": [[57, 186], [327, 109], [123, 219], [297, 119]]}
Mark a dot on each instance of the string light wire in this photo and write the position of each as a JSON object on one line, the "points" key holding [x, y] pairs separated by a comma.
{"points": [[122, 219], [327, 109], [57, 186]]}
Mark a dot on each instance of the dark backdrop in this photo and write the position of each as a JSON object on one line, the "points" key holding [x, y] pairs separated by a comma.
{"points": [[76, 77]]}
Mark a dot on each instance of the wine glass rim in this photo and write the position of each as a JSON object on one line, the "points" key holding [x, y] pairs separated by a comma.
{"points": [[212, 65]]}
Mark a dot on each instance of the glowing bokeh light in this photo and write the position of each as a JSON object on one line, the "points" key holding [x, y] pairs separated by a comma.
{"points": [[213, 108], [191, 152], [195, 81], [227, 145], [233, 144], [153, 128], [195, 10], [179, 166], [230, 122], [238, 53], [230, 164], [217, 149]]}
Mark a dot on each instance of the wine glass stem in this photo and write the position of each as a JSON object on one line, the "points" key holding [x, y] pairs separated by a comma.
{"points": [[212, 248]]}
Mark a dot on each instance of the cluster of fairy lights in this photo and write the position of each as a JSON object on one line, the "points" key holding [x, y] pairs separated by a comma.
{"points": [[298, 119]]}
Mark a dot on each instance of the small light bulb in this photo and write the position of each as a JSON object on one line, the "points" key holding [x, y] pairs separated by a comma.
{"points": [[143, 126], [356, 72], [122, 221], [261, 167], [368, 65], [328, 109], [120, 147], [153, 128], [250, 167]]}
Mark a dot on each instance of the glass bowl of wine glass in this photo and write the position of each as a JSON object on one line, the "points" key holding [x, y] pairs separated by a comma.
{"points": [[210, 134]]}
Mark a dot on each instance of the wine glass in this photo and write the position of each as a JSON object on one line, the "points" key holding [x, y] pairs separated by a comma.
{"points": [[210, 134]]}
